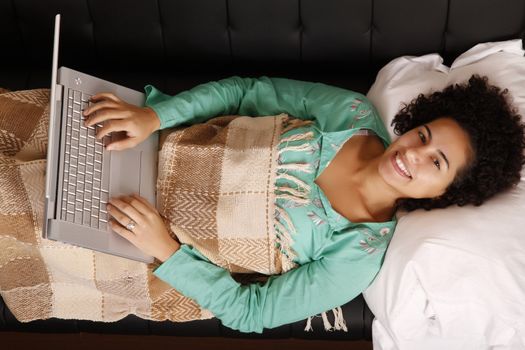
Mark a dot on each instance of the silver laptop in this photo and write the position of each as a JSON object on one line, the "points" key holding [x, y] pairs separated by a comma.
{"points": [[81, 175]]}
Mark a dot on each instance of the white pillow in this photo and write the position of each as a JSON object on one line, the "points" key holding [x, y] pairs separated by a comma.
{"points": [[453, 278]]}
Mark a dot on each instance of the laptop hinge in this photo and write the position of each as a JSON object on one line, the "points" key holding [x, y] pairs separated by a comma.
{"points": [[59, 90]]}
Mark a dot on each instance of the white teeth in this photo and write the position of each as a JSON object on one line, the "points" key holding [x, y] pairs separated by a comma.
{"points": [[401, 165]]}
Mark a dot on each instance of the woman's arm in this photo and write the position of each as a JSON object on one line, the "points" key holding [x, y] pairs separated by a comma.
{"points": [[332, 107], [302, 292]]}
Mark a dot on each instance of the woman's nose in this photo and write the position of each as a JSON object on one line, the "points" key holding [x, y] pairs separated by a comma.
{"points": [[416, 155]]}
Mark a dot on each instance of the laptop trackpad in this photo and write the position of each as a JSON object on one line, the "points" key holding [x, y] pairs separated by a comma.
{"points": [[125, 173]]}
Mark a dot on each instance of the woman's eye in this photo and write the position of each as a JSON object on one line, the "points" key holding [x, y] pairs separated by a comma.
{"points": [[422, 136], [424, 139]]}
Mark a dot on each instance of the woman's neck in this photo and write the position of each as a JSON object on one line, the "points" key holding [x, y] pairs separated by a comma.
{"points": [[377, 196]]}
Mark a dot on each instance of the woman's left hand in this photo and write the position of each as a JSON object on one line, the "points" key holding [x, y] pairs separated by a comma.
{"points": [[150, 234]]}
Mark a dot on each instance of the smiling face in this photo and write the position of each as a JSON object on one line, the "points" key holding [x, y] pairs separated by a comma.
{"points": [[424, 161]]}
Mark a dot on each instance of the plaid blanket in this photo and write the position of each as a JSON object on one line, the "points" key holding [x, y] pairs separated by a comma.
{"points": [[214, 191]]}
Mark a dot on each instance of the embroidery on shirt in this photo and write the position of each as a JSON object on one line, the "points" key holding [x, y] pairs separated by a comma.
{"points": [[317, 202], [371, 243], [362, 113], [355, 103], [316, 219]]}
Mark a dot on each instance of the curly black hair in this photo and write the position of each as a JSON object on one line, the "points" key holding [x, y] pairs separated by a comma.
{"points": [[496, 135]]}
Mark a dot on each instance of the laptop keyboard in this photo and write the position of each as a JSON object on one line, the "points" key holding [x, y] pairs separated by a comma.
{"points": [[86, 187]]}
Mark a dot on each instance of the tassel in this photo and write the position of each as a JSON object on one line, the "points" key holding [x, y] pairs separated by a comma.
{"points": [[327, 326], [292, 191], [339, 322], [286, 219], [287, 197], [304, 167], [305, 136], [308, 327], [289, 124], [285, 240], [300, 148], [299, 183]]}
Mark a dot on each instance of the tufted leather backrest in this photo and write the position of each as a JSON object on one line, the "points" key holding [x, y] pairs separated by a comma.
{"points": [[325, 33]]}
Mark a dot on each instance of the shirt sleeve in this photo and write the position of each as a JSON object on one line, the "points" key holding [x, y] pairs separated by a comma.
{"points": [[307, 290], [332, 107]]}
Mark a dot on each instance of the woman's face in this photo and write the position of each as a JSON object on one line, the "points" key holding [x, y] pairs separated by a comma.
{"points": [[422, 162]]}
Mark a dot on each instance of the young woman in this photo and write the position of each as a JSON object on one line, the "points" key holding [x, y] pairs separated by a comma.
{"points": [[458, 146]]}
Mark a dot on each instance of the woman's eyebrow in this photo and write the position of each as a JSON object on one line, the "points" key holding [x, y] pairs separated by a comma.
{"points": [[440, 152]]}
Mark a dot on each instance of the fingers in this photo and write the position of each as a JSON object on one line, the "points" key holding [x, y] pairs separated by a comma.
{"points": [[122, 231], [109, 127], [123, 211], [97, 107]]}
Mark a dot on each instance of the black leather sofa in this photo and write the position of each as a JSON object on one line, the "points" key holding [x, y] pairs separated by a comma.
{"points": [[176, 44]]}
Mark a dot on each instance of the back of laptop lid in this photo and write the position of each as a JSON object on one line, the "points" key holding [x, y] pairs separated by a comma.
{"points": [[53, 135]]}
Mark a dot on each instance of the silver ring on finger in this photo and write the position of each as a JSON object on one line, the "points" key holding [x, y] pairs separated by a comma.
{"points": [[131, 225]]}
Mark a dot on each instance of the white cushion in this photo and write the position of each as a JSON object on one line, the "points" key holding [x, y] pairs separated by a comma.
{"points": [[453, 278]]}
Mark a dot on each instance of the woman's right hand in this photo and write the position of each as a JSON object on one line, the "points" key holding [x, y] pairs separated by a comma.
{"points": [[116, 115]]}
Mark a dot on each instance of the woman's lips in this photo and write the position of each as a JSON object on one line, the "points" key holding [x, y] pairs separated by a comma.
{"points": [[396, 167]]}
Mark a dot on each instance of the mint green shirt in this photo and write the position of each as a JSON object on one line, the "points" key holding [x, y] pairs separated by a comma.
{"points": [[336, 258]]}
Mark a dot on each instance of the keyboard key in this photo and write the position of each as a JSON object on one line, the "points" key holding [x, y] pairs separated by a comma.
{"points": [[104, 197], [76, 95], [78, 217], [76, 109], [86, 218], [85, 97], [98, 158]]}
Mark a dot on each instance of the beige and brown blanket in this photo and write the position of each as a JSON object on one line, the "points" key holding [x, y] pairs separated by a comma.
{"points": [[227, 215]]}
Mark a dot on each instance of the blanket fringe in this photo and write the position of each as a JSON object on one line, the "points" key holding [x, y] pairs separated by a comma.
{"points": [[294, 123], [298, 182], [305, 136], [283, 215], [327, 326], [339, 321], [300, 148], [293, 192], [304, 167]]}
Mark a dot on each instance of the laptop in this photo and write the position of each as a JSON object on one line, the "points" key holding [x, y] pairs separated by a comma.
{"points": [[81, 176]]}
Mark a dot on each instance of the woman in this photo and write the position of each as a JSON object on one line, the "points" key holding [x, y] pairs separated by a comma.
{"points": [[459, 146]]}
